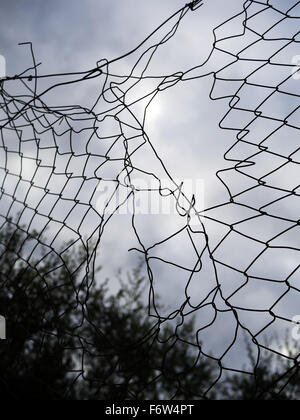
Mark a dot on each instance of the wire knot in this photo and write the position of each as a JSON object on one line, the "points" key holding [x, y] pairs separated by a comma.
{"points": [[194, 5]]}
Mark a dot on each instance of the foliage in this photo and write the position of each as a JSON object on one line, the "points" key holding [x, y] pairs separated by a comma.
{"points": [[70, 340]]}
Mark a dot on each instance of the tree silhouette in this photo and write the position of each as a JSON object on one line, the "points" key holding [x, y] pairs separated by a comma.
{"points": [[37, 299], [69, 341]]}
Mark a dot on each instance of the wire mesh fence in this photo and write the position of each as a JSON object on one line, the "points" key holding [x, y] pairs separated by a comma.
{"points": [[68, 170]]}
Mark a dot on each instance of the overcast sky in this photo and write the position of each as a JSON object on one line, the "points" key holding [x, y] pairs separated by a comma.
{"points": [[183, 126]]}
